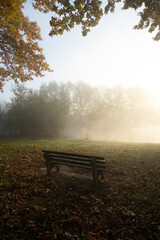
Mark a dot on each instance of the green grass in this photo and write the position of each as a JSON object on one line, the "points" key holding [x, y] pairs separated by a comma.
{"points": [[34, 206]]}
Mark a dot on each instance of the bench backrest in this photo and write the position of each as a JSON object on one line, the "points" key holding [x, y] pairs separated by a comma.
{"points": [[75, 160]]}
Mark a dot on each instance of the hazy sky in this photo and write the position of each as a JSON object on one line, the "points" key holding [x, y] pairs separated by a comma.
{"points": [[112, 53]]}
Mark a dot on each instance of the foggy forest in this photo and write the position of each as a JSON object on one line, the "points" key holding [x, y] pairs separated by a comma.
{"points": [[81, 111]]}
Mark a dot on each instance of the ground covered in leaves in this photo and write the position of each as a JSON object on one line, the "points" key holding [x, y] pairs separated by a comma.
{"points": [[34, 206]]}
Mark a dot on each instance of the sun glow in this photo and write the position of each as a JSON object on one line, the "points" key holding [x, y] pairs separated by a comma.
{"points": [[130, 61]]}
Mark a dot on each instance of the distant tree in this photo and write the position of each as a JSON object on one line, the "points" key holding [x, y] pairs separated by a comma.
{"points": [[54, 108], [82, 101], [39, 113], [16, 116], [21, 57], [2, 120]]}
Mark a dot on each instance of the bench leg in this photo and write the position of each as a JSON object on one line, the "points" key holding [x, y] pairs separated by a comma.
{"points": [[101, 176], [95, 176], [49, 169], [58, 167]]}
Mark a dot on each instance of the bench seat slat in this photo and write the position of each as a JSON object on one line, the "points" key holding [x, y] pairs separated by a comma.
{"points": [[73, 154], [76, 165], [89, 161], [51, 156], [83, 164]]}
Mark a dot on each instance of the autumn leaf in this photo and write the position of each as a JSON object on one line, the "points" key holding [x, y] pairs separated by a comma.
{"points": [[21, 56]]}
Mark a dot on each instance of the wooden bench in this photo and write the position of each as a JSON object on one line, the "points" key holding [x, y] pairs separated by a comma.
{"points": [[94, 163]]}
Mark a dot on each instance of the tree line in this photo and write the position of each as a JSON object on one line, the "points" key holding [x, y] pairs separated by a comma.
{"points": [[79, 111]]}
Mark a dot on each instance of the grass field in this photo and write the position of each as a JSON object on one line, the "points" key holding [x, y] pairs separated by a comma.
{"points": [[34, 206]]}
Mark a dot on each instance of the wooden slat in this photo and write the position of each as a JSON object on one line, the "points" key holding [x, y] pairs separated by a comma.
{"points": [[69, 157], [77, 165], [74, 160], [61, 160], [85, 164], [71, 164], [73, 154], [50, 156]]}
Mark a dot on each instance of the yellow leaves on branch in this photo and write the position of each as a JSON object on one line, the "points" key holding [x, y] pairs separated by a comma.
{"points": [[21, 56]]}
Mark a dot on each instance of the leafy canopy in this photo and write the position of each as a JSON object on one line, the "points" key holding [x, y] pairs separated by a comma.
{"points": [[21, 56], [68, 13]]}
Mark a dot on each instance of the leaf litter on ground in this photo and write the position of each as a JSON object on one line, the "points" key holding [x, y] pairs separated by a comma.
{"points": [[34, 206]]}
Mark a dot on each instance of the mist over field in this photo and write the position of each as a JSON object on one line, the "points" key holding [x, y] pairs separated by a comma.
{"points": [[80, 111], [123, 132]]}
